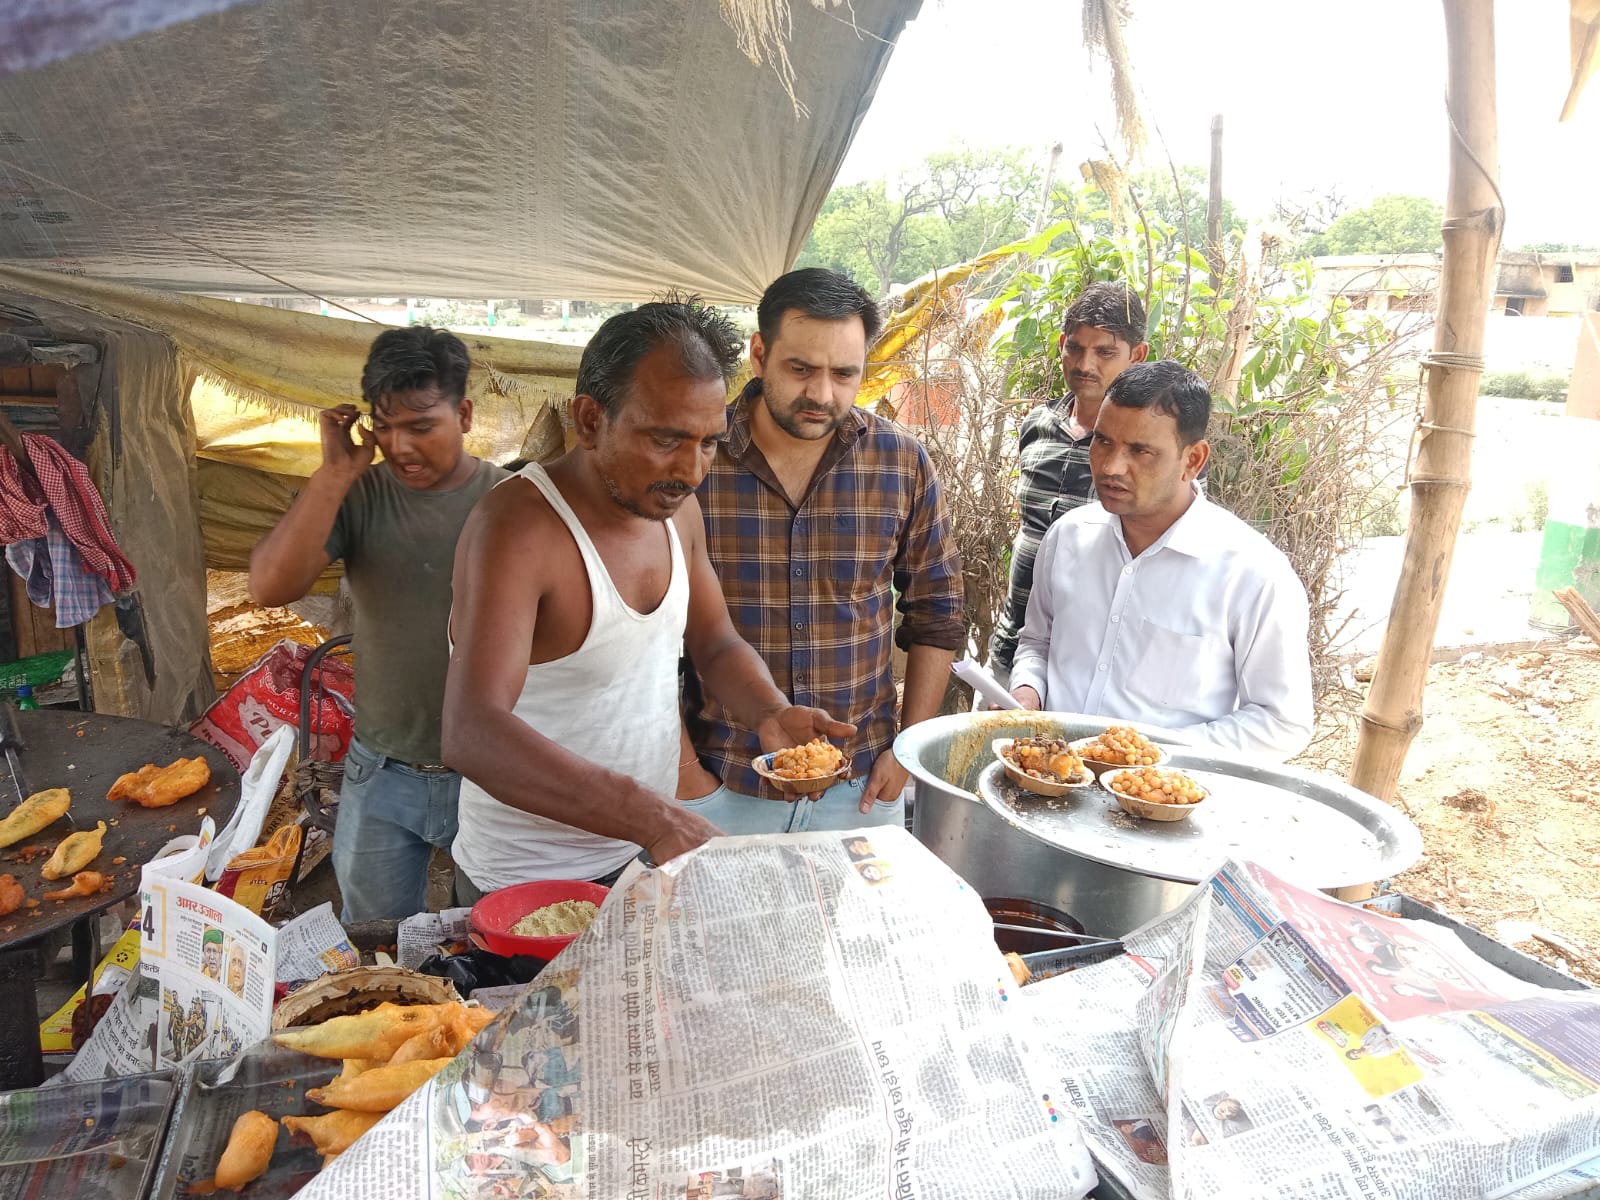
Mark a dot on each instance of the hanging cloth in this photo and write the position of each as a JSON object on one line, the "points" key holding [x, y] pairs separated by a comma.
{"points": [[70, 495]]}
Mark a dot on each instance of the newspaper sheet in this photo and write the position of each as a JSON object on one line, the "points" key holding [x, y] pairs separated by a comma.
{"points": [[312, 945], [89, 1140], [420, 936], [214, 964], [800, 1016], [1263, 1040]]}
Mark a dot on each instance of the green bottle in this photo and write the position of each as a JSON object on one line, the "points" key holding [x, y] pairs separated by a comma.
{"points": [[25, 700]]}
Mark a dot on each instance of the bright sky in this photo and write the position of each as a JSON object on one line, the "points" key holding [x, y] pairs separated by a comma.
{"points": [[1347, 94]]}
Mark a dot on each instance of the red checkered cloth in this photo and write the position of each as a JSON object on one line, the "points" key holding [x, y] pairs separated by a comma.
{"points": [[71, 495]]}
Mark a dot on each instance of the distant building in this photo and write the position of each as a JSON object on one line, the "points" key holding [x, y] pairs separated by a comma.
{"points": [[1528, 284], [1564, 284]]}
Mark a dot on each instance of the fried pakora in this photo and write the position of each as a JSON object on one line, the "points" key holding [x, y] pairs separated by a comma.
{"points": [[33, 814], [75, 852], [248, 1151], [156, 787], [11, 895], [84, 883]]}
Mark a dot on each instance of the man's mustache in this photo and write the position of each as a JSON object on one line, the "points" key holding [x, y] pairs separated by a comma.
{"points": [[671, 489]]}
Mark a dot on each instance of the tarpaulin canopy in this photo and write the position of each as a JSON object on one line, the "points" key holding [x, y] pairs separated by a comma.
{"points": [[603, 149]]}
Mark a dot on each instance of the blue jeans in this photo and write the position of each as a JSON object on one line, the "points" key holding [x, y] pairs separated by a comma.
{"points": [[839, 808], [391, 816]]}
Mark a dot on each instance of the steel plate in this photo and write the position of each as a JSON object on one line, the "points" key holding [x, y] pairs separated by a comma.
{"points": [[1312, 830], [84, 753]]}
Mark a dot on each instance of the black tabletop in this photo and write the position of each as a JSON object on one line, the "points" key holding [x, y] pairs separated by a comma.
{"points": [[84, 753]]}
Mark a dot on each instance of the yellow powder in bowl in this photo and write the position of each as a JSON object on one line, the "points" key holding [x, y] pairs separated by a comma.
{"points": [[557, 920]]}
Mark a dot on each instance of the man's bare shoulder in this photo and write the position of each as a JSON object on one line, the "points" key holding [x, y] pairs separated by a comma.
{"points": [[512, 511]]}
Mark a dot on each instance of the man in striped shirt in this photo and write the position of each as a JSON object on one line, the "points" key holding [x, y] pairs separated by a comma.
{"points": [[1102, 335], [823, 522]]}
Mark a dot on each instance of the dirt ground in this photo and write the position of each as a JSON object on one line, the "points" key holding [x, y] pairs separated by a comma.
{"points": [[1504, 782]]}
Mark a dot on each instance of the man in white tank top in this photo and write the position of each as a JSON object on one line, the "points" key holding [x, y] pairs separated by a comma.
{"points": [[575, 587]]}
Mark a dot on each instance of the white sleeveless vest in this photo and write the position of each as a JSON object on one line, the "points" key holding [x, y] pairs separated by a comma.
{"points": [[614, 701]]}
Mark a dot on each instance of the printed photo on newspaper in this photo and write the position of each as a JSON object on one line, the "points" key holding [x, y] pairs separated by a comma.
{"points": [[212, 963]]}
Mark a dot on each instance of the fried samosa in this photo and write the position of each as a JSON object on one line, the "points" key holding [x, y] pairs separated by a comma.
{"points": [[335, 1132], [381, 1088], [376, 1033]]}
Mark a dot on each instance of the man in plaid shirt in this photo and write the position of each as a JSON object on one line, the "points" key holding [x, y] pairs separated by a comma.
{"points": [[1102, 335], [822, 522]]}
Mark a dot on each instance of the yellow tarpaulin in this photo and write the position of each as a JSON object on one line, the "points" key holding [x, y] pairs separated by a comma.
{"points": [[249, 359]]}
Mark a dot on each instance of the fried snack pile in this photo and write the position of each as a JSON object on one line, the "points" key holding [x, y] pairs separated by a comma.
{"points": [[388, 1052], [813, 760], [75, 852], [84, 883], [33, 814], [1049, 759], [248, 1151], [557, 920], [156, 787], [1159, 787], [11, 895], [1123, 746]]}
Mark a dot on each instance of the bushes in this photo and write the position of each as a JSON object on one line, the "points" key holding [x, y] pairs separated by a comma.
{"points": [[1525, 385]]}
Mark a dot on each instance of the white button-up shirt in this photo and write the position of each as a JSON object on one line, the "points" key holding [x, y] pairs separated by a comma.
{"points": [[1205, 632]]}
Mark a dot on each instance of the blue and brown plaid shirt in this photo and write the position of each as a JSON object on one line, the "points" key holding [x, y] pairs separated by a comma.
{"points": [[814, 587]]}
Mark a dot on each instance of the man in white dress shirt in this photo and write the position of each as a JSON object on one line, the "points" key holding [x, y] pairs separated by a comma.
{"points": [[1155, 605]]}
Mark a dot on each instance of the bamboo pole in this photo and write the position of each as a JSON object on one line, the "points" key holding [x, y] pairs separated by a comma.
{"points": [[1441, 476]]}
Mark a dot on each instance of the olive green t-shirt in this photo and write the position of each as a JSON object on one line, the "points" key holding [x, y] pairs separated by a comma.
{"points": [[398, 546]]}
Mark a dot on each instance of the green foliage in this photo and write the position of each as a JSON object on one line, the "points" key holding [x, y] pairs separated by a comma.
{"points": [[1525, 385], [956, 206], [1536, 511], [1391, 224], [1557, 248], [1171, 206]]}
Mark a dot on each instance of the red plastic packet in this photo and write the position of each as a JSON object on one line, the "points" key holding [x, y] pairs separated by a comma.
{"points": [[268, 696]]}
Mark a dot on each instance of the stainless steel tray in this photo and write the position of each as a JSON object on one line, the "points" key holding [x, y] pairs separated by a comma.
{"points": [[1311, 829]]}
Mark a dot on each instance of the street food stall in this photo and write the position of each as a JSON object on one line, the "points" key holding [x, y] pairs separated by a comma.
{"points": [[822, 1014]]}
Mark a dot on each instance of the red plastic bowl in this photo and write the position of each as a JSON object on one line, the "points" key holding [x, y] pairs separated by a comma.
{"points": [[494, 915]]}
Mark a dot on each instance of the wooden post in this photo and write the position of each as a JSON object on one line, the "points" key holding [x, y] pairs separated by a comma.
{"points": [[1214, 252], [1442, 473]]}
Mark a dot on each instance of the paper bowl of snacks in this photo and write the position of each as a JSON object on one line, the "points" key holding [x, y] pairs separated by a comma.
{"points": [[1154, 793], [803, 770], [1119, 746], [538, 920], [1044, 766]]}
